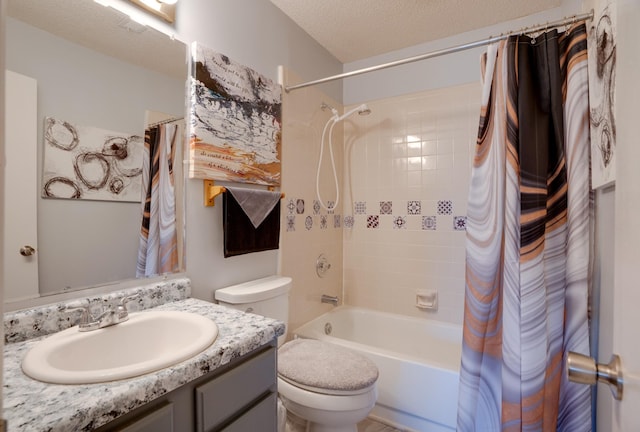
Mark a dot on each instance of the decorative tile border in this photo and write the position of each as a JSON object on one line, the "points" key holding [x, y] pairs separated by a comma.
{"points": [[414, 218], [460, 223], [291, 206], [300, 206], [386, 207], [445, 207], [373, 221], [400, 222], [360, 208], [291, 223], [414, 207], [349, 222], [429, 223]]}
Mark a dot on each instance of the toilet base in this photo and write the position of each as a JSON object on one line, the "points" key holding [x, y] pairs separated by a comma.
{"points": [[305, 425], [314, 427], [326, 413]]}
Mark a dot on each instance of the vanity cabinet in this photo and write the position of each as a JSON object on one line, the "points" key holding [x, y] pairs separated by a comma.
{"points": [[238, 397]]}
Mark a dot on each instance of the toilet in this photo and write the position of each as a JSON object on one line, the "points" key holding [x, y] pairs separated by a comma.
{"points": [[331, 387]]}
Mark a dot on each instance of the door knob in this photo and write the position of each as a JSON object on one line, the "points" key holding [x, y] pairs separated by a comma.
{"points": [[584, 370], [27, 251]]}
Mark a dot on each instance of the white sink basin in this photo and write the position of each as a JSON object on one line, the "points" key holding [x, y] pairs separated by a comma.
{"points": [[147, 342]]}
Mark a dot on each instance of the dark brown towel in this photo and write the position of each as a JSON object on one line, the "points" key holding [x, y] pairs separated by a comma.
{"points": [[240, 236]]}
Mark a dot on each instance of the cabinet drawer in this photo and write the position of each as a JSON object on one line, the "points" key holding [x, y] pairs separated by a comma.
{"points": [[233, 392], [261, 417], [160, 420]]}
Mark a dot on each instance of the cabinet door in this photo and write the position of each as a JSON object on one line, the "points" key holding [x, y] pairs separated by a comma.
{"points": [[160, 420], [235, 391], [261, 417]]}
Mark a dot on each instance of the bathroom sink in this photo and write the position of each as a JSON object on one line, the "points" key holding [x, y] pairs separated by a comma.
{"points": [[147, 342]]}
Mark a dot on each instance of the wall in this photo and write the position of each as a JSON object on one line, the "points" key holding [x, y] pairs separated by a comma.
{"points": [[308, 229], [408, 180], [257, 34], [439, 72], [71, 250], [2, 164]]}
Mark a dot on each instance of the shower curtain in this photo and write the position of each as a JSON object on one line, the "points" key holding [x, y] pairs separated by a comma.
{"points": [[528, 237], [158, 247]]}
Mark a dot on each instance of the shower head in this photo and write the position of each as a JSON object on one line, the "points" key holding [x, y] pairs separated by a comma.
{"points": [[361, 110]]}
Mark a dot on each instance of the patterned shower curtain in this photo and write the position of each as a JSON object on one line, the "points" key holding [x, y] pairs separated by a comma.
{"points": [[158, 247], [528, 239]]}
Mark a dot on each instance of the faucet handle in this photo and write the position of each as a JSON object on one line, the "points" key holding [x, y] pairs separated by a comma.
{"points": [[122, 307], [86, 317]]}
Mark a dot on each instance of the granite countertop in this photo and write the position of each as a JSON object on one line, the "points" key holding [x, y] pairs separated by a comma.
{"points": [[31, 405]]}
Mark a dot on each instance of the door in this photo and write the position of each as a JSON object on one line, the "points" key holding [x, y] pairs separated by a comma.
{"points": [[626, 319], [20, 278]]}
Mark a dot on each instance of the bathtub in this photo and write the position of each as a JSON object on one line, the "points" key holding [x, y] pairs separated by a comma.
{"points": [[418, 361]]}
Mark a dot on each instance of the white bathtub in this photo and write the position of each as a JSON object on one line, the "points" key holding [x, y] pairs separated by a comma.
{"points": [[418, 361]]}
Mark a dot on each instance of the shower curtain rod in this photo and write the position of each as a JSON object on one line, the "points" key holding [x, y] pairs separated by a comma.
{"points": [[161, 122], [559, 23]]}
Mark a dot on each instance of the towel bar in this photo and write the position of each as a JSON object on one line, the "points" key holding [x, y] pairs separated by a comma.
{"points": [[211, 191]]}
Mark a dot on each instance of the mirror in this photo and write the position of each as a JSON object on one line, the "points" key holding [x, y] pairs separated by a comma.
{"points": [[94, 68]]}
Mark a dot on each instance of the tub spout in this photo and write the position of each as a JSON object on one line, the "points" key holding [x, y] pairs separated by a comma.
{"points": [[329, 299]]}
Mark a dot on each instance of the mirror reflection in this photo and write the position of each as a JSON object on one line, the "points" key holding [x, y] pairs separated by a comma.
{"points": [[81, 69]]}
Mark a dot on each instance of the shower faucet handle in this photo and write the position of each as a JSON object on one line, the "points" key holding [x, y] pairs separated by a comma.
{"points": [[322, 265]]}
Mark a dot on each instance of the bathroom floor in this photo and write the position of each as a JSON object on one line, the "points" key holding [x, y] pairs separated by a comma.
{"points": [[295, 424]]}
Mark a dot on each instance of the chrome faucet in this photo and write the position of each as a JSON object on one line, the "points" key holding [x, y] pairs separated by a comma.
{"points": [[106, 318], [329, 299]]}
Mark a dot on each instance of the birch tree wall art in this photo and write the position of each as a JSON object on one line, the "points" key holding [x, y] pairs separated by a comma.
{"points": [[235, 121]]}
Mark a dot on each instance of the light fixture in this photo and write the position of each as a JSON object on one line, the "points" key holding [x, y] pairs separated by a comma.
{"points": [[165, 9]]}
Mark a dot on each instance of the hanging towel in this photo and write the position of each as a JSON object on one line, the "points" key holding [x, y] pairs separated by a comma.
{"points": [[251, 221]]}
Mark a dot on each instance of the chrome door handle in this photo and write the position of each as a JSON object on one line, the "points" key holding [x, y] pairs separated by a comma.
{"points": [[584, 370]]}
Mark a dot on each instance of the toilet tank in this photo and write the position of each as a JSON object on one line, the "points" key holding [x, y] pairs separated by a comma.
{"points": [[268, 297]]}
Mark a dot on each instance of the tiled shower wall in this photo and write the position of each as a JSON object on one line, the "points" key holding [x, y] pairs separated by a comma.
{"points": [[307, 229], [407, 171]]}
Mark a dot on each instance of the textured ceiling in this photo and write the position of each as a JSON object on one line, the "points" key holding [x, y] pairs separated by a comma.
{"points": [[356, 29], [105, 30]]}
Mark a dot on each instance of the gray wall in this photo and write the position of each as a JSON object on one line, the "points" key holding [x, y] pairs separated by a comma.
{"points": [[256, 34]]}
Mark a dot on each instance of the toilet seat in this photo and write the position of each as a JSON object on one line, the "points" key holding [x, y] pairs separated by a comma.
{"points": [[325, 368], [326, 402]]}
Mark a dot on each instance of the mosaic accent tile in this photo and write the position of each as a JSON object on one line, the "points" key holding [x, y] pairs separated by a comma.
{"points": [[445, 207], [360, 207], [330, 206], [386, 207], [300, 206], [373, 221], [316, 207], [323, 222], [308, 222], [414, 207], [291, 206], [428, 222], [349, 221], [336, 221], [400, 222], [291, 223], [460, 223]]}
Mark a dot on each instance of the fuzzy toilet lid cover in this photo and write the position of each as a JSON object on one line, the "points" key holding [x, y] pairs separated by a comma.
{"points": [[323, 365]]}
